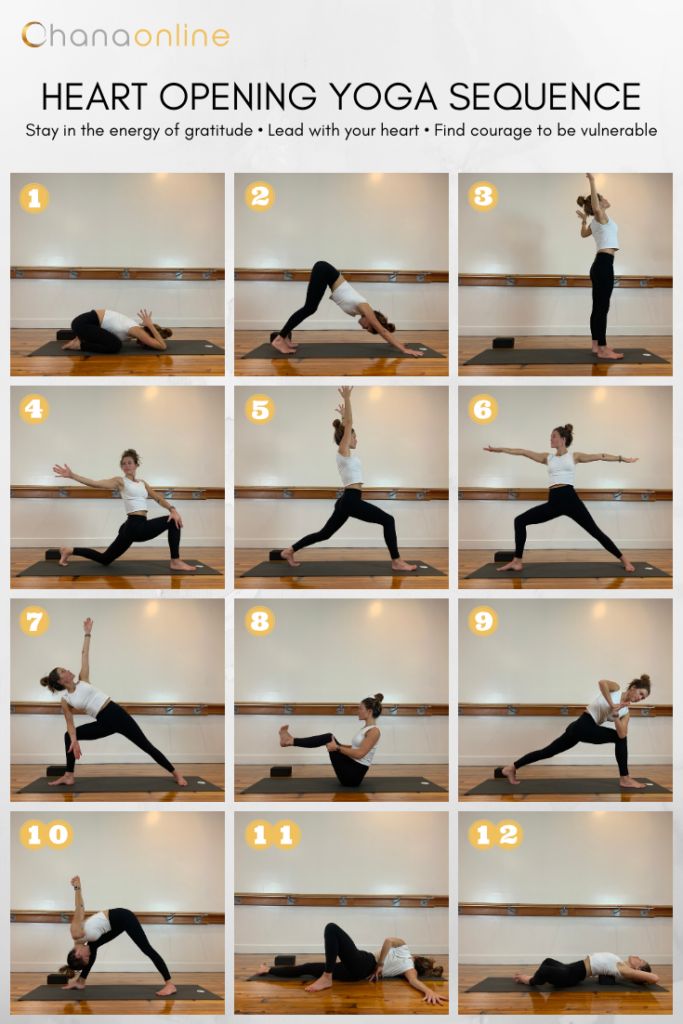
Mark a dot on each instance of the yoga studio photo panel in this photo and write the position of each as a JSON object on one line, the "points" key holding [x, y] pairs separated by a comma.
{"points": [[341, 912], [117, 274], [370, 725], [565, 913], [341, 487], [117, 487], [565, 274], [117, 700], [117, 913], [341, 274], [538, 725], [565, 486]]}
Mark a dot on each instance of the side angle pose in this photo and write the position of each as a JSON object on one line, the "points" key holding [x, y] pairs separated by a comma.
{"points": [[104, 331], [605, 720], [345, 962], [351, 302], [91, 933], [562, 498], [136, 528], [110, 717], [604, 232], [350, 761], [351, 504], [559, 975]]}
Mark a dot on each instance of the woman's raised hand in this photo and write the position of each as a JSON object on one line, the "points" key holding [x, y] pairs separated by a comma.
{"points": [[87, 626], [345, 392], [581, 215], [591, 177], [63, 471], [490, 448], [75, 881], [145, 316]]}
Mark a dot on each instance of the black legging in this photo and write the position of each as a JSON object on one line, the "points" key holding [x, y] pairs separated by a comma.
{"points": [[354, 964], [114, 719], [92, 335], [323, 275], [135, 530], [583, 729], [348, 771], [351, 506], [122, 920], [559, 975], [602, 280], [562, 501]]}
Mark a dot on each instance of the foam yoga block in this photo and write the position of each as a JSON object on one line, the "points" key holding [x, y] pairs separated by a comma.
{"points": [[587, 787], [122, 567], [569, 571], [339, 568], [174, 347], [499, 356], [498, 984], [498, 343], [342, 350], [330, 784], [97, 993], [281, 771]]}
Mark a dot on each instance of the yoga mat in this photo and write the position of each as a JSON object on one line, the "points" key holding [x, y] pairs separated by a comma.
{"points": [[174, 347], [124, 784], [559, 356], [592, 985], [373, 784], [342, 350], [312, 977], [339, 568], [93, 993], [122, 567], [569, 571], [499, 787]]}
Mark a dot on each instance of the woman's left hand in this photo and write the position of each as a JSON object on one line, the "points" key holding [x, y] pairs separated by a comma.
{"points": [[624, 459], [87, 626], [332, 745], [433, 999], [174, 515], [75, 749], [74, 983], [377, 973], [145, 317]]}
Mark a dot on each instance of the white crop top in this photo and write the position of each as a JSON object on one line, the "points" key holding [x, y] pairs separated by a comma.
{"points": [[561, 468], [356, 742], [605, 963], [350, 468], [85, 698], [347, 298], [118, 323], [398, 960], [601, 711], [134, 494], [96, 926], [605, 235]]}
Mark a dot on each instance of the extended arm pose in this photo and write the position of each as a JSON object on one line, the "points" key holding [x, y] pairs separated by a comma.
{"points": [[605, 720], [91, 933], [355, 964], [109, 717], [104, 331], [604, 232], [351, 504], [137, 528], [349, 761], [562, 498], [559, 975], [324, 275]]}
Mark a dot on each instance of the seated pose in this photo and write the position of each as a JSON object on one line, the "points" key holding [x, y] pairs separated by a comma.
{"points": [[605, 720], [137, 528], [349, 761], [604, 232], [324, 275], [562, 498], [559, 975], [90, 934], [351, 504], [110, 717], [393, 959], [104, 330]]}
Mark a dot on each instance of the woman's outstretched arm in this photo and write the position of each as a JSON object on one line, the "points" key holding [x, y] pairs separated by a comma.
{"points": [[78, 919], [598, 213], [68, 474], [84, 674], [541, 457], [603, 457], [347, 419], [369, 314], [428, 995]]}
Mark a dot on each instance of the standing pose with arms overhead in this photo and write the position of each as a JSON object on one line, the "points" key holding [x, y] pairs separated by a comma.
{"points": [[604, 232]]}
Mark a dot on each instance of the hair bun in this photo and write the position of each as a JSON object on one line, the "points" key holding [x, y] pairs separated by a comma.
{"points": [[645, 678], [569, 427], [45, 681], [581, 201], [336, 423], [379, 697]]}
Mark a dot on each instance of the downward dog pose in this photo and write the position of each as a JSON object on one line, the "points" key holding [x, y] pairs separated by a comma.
{"points": [[604, 232], [351, 504], [105, 330], [349, 761], [562, 498], [605, 720], [110, 717], [393, 959], [559, 975], [91, 933], [324, 275], [137, 528]]}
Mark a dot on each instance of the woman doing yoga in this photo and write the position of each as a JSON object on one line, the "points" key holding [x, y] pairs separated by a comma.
{"points": [[605, 234], [136, 528], [351, 504], [110, 717], [324, 275], [595, 965], [345, 962], [605, 720], [562, 498], [350, 761], [104, 331], [91, 933]]}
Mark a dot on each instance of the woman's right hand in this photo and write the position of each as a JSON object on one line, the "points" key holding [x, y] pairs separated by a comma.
{"points": [[377, 973], [75, 749], [63, 471], [75, 881], [74, 983], [490, 448], [87, 626], [433, 999], [581, 215], [345, 392], [591, 177]]}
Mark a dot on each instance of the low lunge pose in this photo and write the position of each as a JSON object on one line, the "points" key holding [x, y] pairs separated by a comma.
{"points": [[351, 504], [324, 275], [605, 720], [104, 331], [345, 962], [91, 933], [109, 717], [605, 234], [559, 975], [136, 528], [350, 761], [562, 498]]}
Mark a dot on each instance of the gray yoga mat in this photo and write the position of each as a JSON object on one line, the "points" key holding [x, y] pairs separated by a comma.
{"points": [[122, 567], [93, 993], [592, 985], [312, 977], [370, 784], [569, 571], [342, 350], [124, 784], [338, 568], [558, 356], [174, 347], [499, 787]]}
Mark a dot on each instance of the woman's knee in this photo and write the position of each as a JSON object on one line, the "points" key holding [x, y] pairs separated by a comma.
{"points": [[331, 928]]}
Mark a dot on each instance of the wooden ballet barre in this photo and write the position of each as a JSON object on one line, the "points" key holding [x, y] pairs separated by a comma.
{"points": [[278, 899], [561, 910], [373, 276], [168, 709], [117, 274], [332, 493], [145, 916], [389, 710], [560, 281], [56, 491], [553, 710], [641, 494]]}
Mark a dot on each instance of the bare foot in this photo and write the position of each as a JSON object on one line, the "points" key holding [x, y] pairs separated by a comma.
{"points": [[324, 981], [628, 566], [177, 563], [522, 979], [73, 346], [605, 352], [288, 555], [516, 565], [286, 739], [510, 773], [67, 779], [180, 778], [168, 989], [263, 968], [626, 782], [64, 555], [283, 345], [400, 565]]}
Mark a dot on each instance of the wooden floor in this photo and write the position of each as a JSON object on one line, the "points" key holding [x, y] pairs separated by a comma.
{"points": [[246, 558], [215, 982], [469, 776], [474, 559], [290, 366], [73, 364], [247, 775], [348, 997], [468, 347], [21, 558], [23, 774], [559, 1001]]}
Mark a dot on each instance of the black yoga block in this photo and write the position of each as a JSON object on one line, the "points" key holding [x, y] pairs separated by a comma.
{"points": [[275, 556], [65, 335], [503, 343], [503, 556], [285, 960], [606, 979], [280, 771], [52, 555], [57, 979], [55, 770]]}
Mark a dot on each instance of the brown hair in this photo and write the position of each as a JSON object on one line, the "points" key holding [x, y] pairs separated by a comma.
{"points": [[338, 431], [643, 683], [69, 970], [165, 332], [566, 433], [426, 965], [386, 324], [374, 704], [52, 681], [646, 968], [130, 453], [586, 205]]}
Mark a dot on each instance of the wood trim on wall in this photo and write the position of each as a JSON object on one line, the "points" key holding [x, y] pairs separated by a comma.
{"points": [[278, 899], [643, 494], [117, 274], [561, 910], [296, 708], [379, 276], [332, 493], [560, 281], [554, 710], [171, 709], [55, 491], [186, 917]]}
